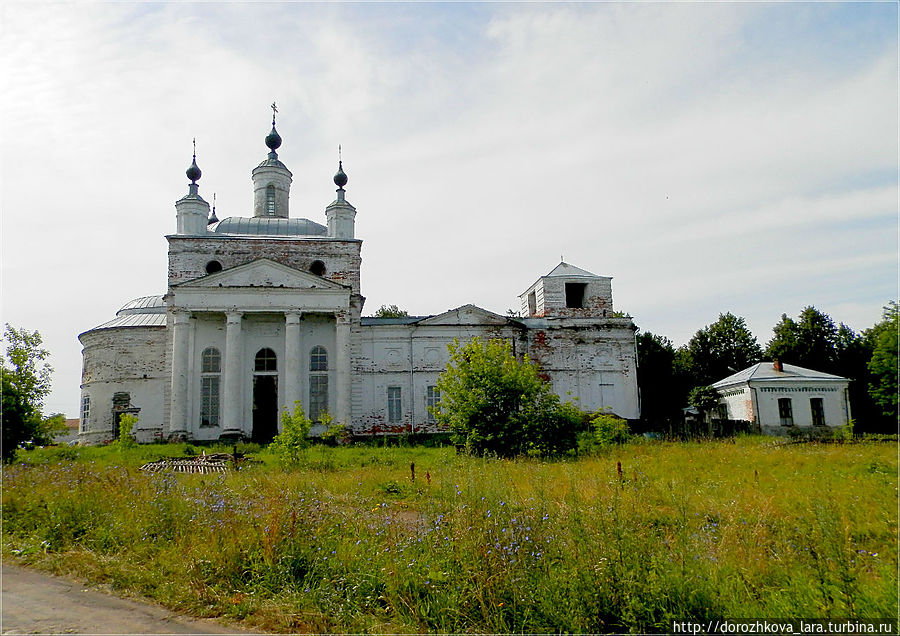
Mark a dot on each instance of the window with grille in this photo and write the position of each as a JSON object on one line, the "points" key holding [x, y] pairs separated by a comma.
{"points": [[85, 410], [817, 406], [318, 359], [432, 401], [318, 383], [395, 410], [318, 396], [265, 361], [785, 411], [210, 386], [270, 200]]}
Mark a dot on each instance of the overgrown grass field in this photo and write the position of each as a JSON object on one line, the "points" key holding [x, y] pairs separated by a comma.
{"points": [[630, 540]]}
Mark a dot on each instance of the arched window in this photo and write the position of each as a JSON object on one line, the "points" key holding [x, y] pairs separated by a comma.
{"points": [[270, 200], [210, 369], [318, 359], [318, 383], [265, 361]]}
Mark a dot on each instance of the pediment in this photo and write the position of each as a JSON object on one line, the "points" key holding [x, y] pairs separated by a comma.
{"points": [[262, 273], [466, 315]]}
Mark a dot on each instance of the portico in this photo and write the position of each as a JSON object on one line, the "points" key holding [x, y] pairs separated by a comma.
{"points": [[239, 358]]}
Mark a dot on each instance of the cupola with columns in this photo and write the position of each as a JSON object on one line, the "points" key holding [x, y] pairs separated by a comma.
{"points": [[271, 180]]}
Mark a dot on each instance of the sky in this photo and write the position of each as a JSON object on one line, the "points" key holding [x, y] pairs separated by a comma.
{"points": [[710, 157]]}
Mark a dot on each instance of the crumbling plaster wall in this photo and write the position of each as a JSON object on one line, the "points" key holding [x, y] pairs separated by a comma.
{"points": [[592, 362], [124, 360]]}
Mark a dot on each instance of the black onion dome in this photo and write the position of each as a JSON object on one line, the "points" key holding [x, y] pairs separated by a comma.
{"points": [[193, 173], [273, 140], [340, 178]]}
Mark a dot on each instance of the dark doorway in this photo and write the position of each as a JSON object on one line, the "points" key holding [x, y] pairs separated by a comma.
{"points": [[265, 408]]}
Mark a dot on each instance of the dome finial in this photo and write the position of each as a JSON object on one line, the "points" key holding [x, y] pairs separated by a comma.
{"points": [[273, 139], [212, 217], [193, 172], [340, 178]]}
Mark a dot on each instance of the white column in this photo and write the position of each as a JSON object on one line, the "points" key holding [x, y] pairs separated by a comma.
{"points": [[232, 413], [342, 369], [293, 361], [181, 340]]}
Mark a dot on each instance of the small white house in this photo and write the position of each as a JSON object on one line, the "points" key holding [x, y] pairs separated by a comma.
{"points": [[775, 397]]}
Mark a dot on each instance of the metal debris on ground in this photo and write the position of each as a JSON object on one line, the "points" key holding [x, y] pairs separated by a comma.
{"points": [[202, 464]]}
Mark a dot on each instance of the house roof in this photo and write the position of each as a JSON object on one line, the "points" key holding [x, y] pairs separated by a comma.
{"points": [[767, 371]]}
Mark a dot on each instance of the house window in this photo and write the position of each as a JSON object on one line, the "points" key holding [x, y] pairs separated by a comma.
{"points": [[85, 411], [265, 360], [432, 401], [575, 295], [395, 410], [318, 383], [817, 407], [210, 368], [785, 411], [270, 200]]}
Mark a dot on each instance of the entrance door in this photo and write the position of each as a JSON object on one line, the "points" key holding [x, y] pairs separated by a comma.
{"points": [[265, 408]]}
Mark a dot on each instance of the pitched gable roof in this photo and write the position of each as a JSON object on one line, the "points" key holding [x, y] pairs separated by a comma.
{"points": [[467, 315], [766, 371], [564, 269]]}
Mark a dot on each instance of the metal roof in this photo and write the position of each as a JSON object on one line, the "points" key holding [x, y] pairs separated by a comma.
{"points": [[134, 320], [564, 269], [268, 226], [144, 305], [766, 371]]}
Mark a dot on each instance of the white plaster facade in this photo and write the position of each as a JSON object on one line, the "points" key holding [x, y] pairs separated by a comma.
{"points": [[776, 397], [265, 311]]}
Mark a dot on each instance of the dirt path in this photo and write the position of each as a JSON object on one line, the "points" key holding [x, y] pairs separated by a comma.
{"points": [[36, 603]]}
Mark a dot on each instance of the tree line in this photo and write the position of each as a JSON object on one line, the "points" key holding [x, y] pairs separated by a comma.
{"points": [[667, 375]]}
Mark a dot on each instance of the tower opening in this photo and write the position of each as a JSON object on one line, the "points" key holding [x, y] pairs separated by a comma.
{"points": [[575, 295]]}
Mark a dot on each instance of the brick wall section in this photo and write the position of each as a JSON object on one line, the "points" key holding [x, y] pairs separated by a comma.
{"points": [[188, 255]]}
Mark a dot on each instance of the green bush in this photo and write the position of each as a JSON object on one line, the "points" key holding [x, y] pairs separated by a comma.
{"points": [[606, 430], [497, 404], [291, 443], [126, 425]]}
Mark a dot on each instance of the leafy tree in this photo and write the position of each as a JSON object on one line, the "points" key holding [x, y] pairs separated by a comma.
{"points": [[656, 377], [812, 341], [718, 350], [25, 375], [497, 404], [883, 364], [391, 311], [705, 399]]}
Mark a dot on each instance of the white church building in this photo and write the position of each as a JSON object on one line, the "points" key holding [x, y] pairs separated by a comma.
{"points": [[265, 311]]}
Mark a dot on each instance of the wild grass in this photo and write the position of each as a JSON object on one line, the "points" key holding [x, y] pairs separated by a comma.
{"points": [[348, 542]]}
